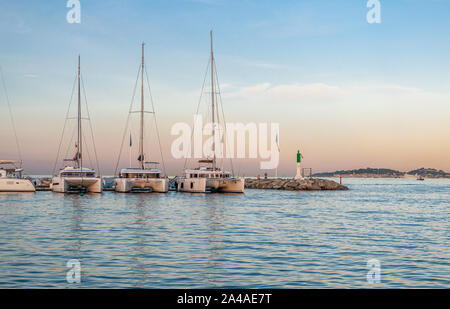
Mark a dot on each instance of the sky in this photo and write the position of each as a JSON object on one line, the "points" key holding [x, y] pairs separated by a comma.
{"points": [[347, 93]]}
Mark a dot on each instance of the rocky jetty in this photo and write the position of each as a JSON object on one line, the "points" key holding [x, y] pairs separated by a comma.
{"points": [[307, 184]]}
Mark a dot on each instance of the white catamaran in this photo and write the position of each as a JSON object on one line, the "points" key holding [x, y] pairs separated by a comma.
{"points": [[11, 173], [210, 178], [74, 179], [146, 177]]}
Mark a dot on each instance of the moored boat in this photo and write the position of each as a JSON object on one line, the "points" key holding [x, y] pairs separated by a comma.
{"points": [[75, 180], [146, 177], [209, 177], [11, 178], [74, 177], [206, 179]]}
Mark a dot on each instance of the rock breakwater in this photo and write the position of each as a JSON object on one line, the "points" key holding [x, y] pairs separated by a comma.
{"points": [[307, 184]]}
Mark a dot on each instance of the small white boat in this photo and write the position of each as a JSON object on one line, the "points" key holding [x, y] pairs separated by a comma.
{"points": [[77, 179], [210, 178], [146, 177], [11, 178]]}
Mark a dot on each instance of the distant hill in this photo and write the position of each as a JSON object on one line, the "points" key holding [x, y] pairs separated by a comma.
{"points": [[385, 173], [429, 173], [364, 172]]}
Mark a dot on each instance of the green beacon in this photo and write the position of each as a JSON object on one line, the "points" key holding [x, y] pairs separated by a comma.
{"points": [[299, 157]]}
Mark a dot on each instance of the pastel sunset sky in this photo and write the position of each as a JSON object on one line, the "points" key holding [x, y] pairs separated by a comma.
{"points": [[347, 93]]}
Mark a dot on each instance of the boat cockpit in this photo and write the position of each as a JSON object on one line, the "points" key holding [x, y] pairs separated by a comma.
{"points": [[76, 172], [139, 173], [10, 172], [206, 173]]}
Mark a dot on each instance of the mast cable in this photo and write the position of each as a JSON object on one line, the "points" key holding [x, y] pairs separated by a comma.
{"points": [[156, 123], [11, 117], [198, 105], [64, 128], [223, 115], [90, 126], [127, 122]]}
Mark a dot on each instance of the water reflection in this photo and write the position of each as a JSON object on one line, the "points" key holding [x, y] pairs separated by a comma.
{"points": [[74, 205], [139, 205], [215, 219], [260, 239]]}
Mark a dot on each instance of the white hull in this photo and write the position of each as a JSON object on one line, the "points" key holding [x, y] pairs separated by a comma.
{"points": [[16, 185], [192, 185], [202, 185], [235, 185], [76, 184], [126, 185]]}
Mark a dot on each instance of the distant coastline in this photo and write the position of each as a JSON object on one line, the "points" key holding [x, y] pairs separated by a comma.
{"points": [[386, 173]]}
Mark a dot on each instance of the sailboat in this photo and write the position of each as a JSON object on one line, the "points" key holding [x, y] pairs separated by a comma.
{"points": [[74, 178], [146, 177], [208, 177], [11, 178], [11, 173]]}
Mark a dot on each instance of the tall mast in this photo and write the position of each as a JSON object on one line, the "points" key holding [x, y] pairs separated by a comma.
{"points": [[80, 141], [141, 141], [212, 107]]}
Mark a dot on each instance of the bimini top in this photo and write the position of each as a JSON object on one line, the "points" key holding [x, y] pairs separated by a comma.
{"points": [[9, 161], [205, 161]]}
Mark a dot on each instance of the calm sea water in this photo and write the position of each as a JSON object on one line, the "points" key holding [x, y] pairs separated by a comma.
{"points": [[263, 239]]}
